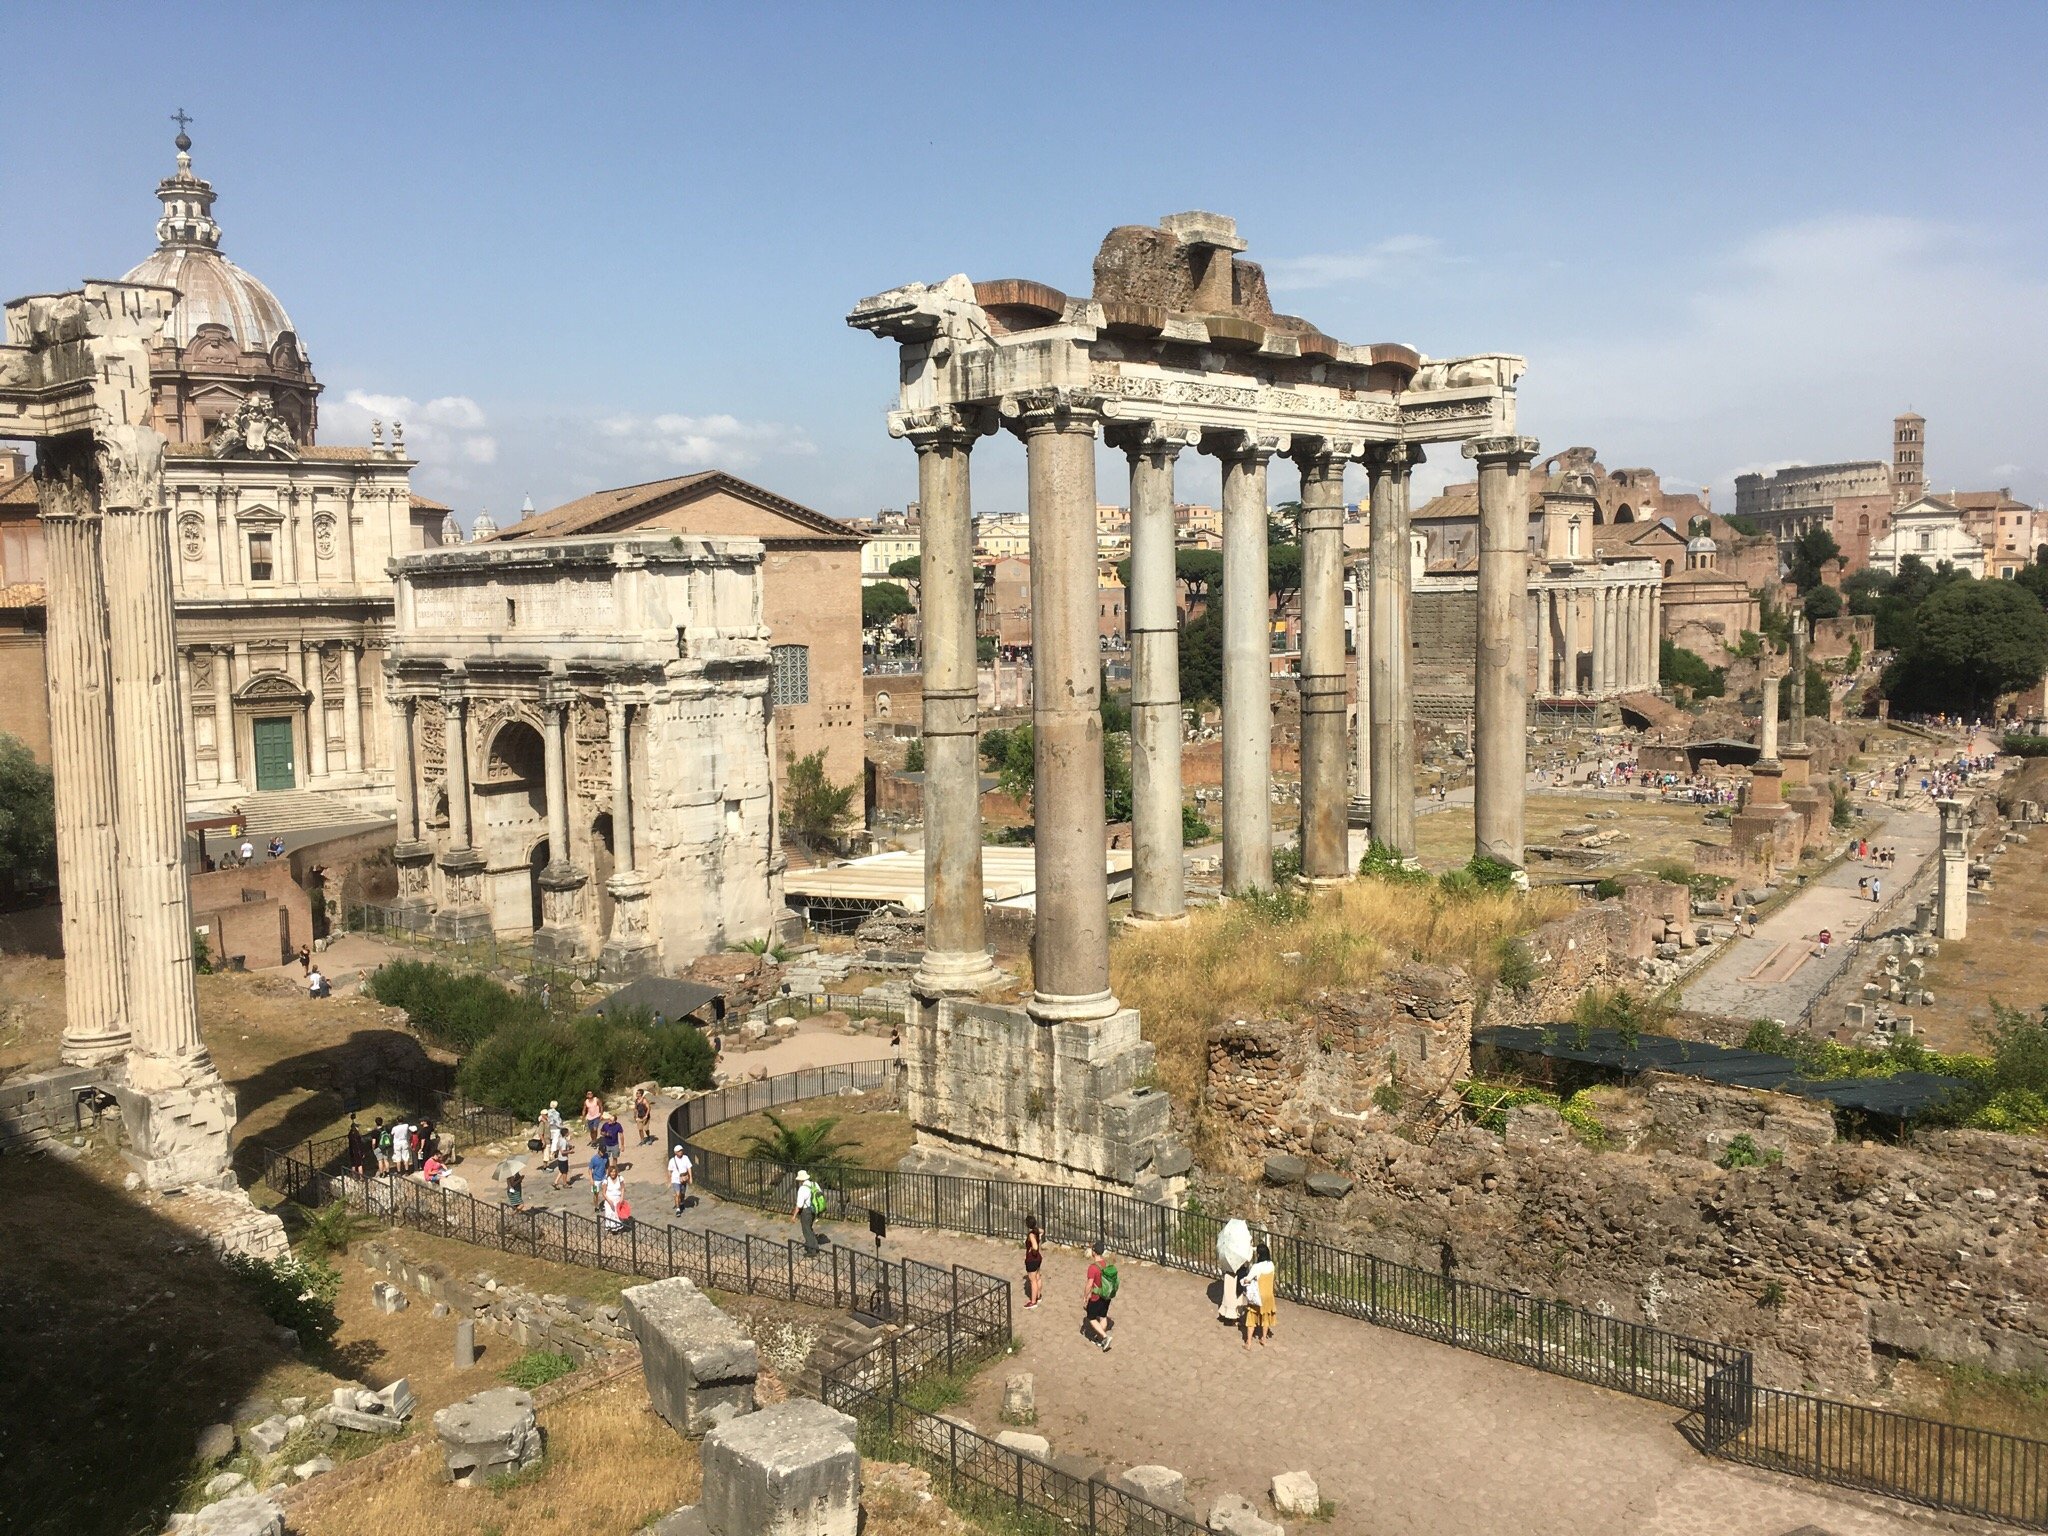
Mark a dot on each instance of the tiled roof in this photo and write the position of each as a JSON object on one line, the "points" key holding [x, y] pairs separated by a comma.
{"points": [[18, 492], [427, 504], [604, 511]]}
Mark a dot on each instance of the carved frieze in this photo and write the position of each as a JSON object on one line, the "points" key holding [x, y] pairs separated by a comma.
{"points": [[430, 721], [593, 751], [330, 669], [202, 670], [323, 535]]}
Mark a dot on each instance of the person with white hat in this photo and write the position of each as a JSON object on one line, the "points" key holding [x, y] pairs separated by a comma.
{"points": [[810, 1202], [679, 1178]]}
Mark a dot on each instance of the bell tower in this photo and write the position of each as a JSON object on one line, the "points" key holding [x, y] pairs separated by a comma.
{"points": [[1909, 459]]}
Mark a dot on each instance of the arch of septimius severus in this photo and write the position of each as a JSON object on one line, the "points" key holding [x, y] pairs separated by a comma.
{"points": [[1178, 347]]}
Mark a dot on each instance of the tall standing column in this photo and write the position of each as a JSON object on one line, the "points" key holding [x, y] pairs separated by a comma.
{"points": [[316, 709], [1603, 640], [622, 788], [225, 771], [1324, 848], [1070, 941], [1632, 638], [82, 758], [1797, 723], [186, 725], [1158, 873], [1544, 683], [956, 958], [1247, 667], [555, 720], [149, 767], [351, 707], [1393, 754], [404, 783], [1361, 645], [1501, 685], [456, 709], [1656, 636], [1768, 743]]}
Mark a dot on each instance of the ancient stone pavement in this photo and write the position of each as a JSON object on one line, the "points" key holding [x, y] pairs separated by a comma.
{"points": [[1407, 1437]]}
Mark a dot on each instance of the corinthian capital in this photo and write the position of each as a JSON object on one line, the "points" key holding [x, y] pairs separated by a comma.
{"points": [[1392, 458], [1151, 437], [942, 426], [1246, 447], [1516, 451], [1052, 408], [131, 468]]}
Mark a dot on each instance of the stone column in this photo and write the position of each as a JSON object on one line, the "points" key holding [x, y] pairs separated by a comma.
{"points": [[1544, 669], [1501, 684], [1796, 724], [555, 720], [351, 707], [187, 727], [1070, 942], [622, 789], [82, 758], [1952, 876], [1324, 847], [560, 937], [404, 783], [1158, 873], [1247, 667], [224, 716], [316, 708], [1393, 754], [1361, 772], [455, 709], [1769, 735], [1632, 651], [1656, 636], [149, 767], [1604, 648], [956, 958]]}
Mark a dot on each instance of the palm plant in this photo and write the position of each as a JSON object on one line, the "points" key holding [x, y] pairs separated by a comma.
{"points": [[810, 1146], [331, 1229]]}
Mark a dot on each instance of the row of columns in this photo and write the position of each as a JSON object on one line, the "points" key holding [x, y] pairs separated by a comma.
{"points": [[1624, 618], [1059, 427]]}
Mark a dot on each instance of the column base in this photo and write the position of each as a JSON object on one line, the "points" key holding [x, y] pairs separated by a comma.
{"points": [[558, 946], [621, 961], [1057, 1008], [1145, 920], [180, 1119], [1324, 882], [954, 973], [414, 862], [1360, 816], [463, 924], [93, 1050], [631, 950]]}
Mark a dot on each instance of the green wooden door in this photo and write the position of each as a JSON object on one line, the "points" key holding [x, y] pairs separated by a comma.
{"points": [[273, 754]]}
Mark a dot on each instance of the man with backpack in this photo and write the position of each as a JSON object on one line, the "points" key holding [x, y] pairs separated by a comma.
{"points": [[810, 1205], [1102, 1285]]}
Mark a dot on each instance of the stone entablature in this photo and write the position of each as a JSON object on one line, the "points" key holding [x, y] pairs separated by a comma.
{"points": [[583, 733]]}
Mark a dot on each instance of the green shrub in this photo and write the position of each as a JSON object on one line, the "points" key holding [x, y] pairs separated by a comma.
{"points": [[456, 1009], [913, 760], [1627, 1013], [331, 1229], [1743, 1152], [202, 954], [1458, 883], [536, 1368], [1287, 863], [525, 1065], [1606, 888], [1517, 966], [294, 1293], [1382, 863], [2016, 745], [1281, 904], [1193, 829], [1491, 874]]}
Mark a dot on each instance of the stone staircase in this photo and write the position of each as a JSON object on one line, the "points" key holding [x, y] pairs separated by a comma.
{"points": [[840, 1340], [300, 810]]}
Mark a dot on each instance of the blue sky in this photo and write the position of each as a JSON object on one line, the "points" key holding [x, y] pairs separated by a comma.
{"points": [[579, 246]]}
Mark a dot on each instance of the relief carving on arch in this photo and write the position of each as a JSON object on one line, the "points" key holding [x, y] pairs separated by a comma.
{"points": [[593, 748], [430, 723]]}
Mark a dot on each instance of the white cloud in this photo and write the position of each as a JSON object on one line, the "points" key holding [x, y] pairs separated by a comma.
{"points": [[1386, 261], [700, 442], [445, 432]]}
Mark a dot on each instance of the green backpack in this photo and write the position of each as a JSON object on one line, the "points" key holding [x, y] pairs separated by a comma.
{"points": [[1106, 1290], [818, 1199]]}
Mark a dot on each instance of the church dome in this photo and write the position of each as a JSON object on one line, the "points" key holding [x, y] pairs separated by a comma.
{"points": [[1702, 545], [211, 289], [484, 527]]}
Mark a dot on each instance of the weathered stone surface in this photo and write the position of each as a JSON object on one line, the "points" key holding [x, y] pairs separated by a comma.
{"points": [[386, 1297], [225, 1483], [240, 1514], [489, 1435], [700, 1367], [789, 1470], [1161, 1485], [382, 1412], [1037, 1447], [313, 1467], [1330, 1186], [263, 1439], [1284, 1170], [465, 1344], [216, 1442], [1235, 1515], [1020, 1399], [1296, 1493]]}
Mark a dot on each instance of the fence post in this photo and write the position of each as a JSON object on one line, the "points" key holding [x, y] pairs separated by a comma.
{"points": [[671, 1231], [747, 1247], [707, 1256], [789, 1255], [1091, 1507], [835, 1277]]}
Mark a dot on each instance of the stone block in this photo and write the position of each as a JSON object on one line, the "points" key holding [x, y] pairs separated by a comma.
{"points": [[264, 1439], [386, 1297], [240, 1514], [225, 1483], [492, 1434], [1329, 1186], [313, 1467], [1296, 1493], [1160, 1485], [700, 1367], [1020, 1399], [1173, 1160], [1037, 1447], [1285, 1170], [1235, 1515], [216, 1442], [465, 1344], [789, 1470]]}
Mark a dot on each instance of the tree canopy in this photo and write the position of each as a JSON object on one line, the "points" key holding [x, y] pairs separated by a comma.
{"points": [[883, 603], [1811, 553], [28, 824], [1823, 602], [812, 805], [911, 566], [1971, 641], [1201, 658]]}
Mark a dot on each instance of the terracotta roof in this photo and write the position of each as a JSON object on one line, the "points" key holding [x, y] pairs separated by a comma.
{"points": [[1451, 501], [606, 511], [18, 492], [427, 504], [1987, 501]]}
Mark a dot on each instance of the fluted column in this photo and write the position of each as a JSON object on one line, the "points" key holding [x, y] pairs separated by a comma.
{"points": [[316, 708], [404, 780], [622, 789], [82, 758], [555, 720], [1544, 684], [1656, 635], [149, 770], [956, 958], [224, 768], [1361, 640], [1603, 640], [1158, 873], [1070, 941], [455, 708], [351, 706], [187, 727], [1768, 743], [1324, 848], [1393, 755], [1501, 683], [1247, 665], [1796, 724]]}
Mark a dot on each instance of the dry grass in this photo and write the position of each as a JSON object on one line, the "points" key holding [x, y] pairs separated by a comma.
{"points": [[2015, 1405], [874, 1138], [1231, 963], [611, 1465], [539, 1275], [2000, 961], [1655, 829]]}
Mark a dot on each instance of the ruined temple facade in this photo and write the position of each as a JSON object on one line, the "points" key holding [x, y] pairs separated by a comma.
{"points": [[583, 729]]}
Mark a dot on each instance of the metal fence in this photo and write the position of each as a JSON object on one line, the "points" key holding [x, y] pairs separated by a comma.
{"points": [[803, 1005], [1924, 1461]]}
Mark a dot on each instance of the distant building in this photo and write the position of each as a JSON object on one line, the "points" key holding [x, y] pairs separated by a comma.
{"points": [[997, 535], [1933, 531], [1909, 458]]}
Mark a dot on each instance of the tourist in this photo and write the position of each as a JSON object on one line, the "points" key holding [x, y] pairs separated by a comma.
{"points": [[679, 1178], [1261, 1297], [558, 1154], [643, 1116], [554, 1114], [614, 1200], [429, 1138], [358, 1149], [611, 1135], [600, 1165], [432, 1169], [810, 1204], [593, 1113], [316, 984], [306, 959], [246, 852], [1102, 1286], [1034, 1261], [401, 1147], [1827, 937], [1234, 1259], [276, 847], [380, 1141], [515, 1190], [542, 1136], [1876, 890]]}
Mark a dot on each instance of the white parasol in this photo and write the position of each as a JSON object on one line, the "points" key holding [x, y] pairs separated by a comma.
{"points": [[1234, 1246]]}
